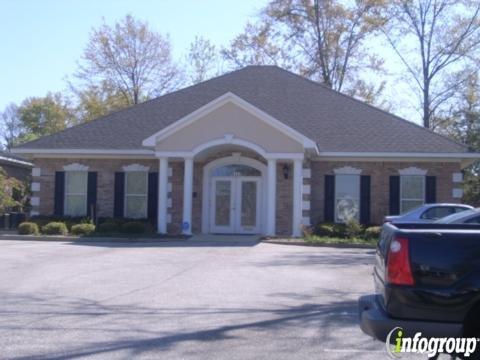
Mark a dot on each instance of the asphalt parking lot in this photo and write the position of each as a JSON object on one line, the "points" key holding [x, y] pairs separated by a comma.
{"points": [[188, 300]]}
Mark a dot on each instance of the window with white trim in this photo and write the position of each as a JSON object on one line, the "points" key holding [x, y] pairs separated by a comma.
{"points": [[76, 183], [412, 192], [136, 197], [347, 197]]}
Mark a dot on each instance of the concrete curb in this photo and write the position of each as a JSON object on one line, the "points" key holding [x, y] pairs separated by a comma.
{"points": [[51, 238], [304, 243]]}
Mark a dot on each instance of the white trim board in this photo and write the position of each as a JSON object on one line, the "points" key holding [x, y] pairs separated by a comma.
{"points": [[394, 155], [84, 151], [16, 161], [229, 140], [87, 153], [229, 97]]}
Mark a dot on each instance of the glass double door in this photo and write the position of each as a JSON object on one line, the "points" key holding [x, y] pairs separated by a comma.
{"points": [[235, 205]]}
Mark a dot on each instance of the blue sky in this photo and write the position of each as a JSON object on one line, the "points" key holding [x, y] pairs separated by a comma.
{"points": [[43, 39]]}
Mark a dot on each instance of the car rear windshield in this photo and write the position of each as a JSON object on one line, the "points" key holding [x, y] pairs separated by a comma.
{"points": [[454, 217]]}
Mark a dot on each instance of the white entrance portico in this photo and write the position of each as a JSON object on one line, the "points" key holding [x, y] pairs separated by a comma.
{"points": [[239, 192]]}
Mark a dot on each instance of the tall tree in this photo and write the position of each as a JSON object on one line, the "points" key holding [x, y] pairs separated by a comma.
{"points": [[327, 34], [10, 126], [256, 45], [45, 116], [36, 117], [432, 38], [463, 124], [12, 193], [131, 59], [94, 101], [324, 40], [202, 60]]}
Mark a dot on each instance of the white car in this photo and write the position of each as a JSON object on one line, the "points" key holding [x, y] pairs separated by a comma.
{"points": [[428, 213], [465, 217]]}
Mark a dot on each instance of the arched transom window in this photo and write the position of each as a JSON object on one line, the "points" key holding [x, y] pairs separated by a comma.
{"points": [[236, 170]]}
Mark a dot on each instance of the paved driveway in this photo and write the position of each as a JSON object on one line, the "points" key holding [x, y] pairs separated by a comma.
{"points": [[208, 300]]}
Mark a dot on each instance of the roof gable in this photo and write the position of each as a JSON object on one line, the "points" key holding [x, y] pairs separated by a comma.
{"points": [[229, 98]]}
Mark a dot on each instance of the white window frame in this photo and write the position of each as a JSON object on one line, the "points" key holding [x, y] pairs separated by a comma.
{"points": [[66, 194], [126, 195], [402, 199], [357, 176]]}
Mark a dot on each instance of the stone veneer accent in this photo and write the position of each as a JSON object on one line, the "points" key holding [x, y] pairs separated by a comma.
{"points": [[380, 173], [306, 193]]}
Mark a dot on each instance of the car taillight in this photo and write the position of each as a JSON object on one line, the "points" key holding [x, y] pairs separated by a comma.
{"points": [[399, 271]]}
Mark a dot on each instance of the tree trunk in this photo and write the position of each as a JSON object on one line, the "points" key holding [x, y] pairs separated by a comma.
{"points": [[426, 105]]}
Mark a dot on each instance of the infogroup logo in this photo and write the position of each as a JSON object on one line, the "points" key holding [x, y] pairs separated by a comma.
{"points": [[431, 346]]}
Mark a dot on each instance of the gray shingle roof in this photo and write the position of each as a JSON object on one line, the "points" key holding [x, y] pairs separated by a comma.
{"points": [[338, 123]]}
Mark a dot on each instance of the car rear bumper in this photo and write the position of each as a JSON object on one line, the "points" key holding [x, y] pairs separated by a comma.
{"points": [[374, 321]]}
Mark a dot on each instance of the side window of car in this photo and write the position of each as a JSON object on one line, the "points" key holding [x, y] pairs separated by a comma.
{"points": [[458, 209], [436, 213], [475, 220]]}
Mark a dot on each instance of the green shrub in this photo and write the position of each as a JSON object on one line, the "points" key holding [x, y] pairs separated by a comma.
{"points": [[326, 229], [373, 232], [69, 221], [353, 229], [108, 227], [55, 228], [28, 228], [83, 229], [134, 227], [330, 230]]}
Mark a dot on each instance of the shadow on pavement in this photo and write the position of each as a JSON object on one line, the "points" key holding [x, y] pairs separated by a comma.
{"points": [[87, 312]]}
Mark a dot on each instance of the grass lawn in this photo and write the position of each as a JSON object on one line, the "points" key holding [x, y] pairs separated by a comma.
{"points": [[315, 239]]}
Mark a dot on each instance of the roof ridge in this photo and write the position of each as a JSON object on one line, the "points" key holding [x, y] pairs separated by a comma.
{"points": [[396, 117]]}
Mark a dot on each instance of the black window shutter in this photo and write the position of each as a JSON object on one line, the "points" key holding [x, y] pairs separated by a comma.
{"points": [[119, 194], [394, 195], [365, 199], [329, 198], [91, 194], [59, 193], [430, 189], [152, 197]]}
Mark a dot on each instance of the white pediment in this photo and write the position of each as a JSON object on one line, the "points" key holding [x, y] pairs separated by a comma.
{"points": [[135, 167], [412, 170], [76, 167], [347, 170], [221, 103]]}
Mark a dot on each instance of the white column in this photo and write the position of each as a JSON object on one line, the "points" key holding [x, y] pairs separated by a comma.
{"points": [[271, 196], [162, 195], [297, 197], [187, 197]]}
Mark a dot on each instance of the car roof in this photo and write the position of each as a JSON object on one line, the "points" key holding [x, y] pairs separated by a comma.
{"points": [[459, 216], [449, 204]]}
